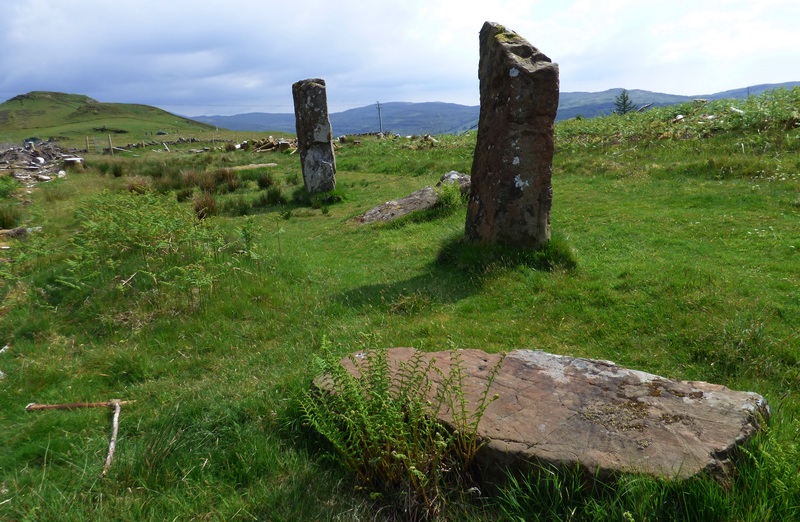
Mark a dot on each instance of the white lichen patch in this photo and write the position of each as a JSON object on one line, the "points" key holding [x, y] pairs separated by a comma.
{"points": [[515, 161], [520, 183], [514, 72], [552, 366], [322, 133], [555, 366]]}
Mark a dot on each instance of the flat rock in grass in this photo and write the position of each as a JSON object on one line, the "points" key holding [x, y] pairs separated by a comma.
{"points": [[423, 199], [597, 417]]}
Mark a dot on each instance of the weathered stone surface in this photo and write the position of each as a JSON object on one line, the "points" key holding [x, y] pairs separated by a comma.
{"points": [[511, 192], [453, 177], [314, 135], [604, 419], [423, 199]]}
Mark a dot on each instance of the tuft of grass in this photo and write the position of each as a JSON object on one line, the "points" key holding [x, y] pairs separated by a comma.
{"points": [[138, 184], [10, 215], [293, 179], [265, 180], [184, 194], [7, 186], [272, 197], [117, 170], [207, 182], [226, 180], [238, 206], [204, 204]]}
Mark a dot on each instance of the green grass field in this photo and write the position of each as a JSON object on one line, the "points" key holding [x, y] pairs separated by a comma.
{"points": [[685, 231]]}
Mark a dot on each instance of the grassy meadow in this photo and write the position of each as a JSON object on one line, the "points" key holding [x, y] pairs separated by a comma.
{"points": [[683, 222]]}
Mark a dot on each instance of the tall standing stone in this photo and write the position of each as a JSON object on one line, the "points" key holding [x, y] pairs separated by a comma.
{"points": [[314, 135], [511, 192]]}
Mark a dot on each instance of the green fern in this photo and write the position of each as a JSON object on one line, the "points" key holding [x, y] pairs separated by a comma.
{"points": [[382, 425]]}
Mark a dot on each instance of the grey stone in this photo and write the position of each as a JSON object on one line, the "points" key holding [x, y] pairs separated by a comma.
{"points": [[511, 194], [462, 180], [599, 418], [314, 135], [422, 199]]}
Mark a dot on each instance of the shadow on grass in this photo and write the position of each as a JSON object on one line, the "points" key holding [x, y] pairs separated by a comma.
{"points": [[461, 269]]}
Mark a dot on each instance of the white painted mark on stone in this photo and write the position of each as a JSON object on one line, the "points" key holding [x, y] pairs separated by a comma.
{"points": [[514, 72], [520, 183]]}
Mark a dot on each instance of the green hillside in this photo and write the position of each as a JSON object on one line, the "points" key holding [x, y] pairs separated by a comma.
{"points": [[70, 118]]}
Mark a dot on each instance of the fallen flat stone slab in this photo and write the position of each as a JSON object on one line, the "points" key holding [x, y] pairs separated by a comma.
{"points": [[422, 199], [591, 415]]}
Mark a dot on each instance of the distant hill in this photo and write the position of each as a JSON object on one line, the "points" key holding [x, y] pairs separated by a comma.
{"points": [[442, 118], [72, 117], [398, 117], [592, 104]]}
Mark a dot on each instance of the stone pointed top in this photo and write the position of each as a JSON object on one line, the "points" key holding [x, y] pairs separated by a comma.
{"points": [[516, 45]]}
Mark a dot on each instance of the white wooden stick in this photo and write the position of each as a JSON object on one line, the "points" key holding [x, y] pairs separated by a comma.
{"points": [[112, 445]]}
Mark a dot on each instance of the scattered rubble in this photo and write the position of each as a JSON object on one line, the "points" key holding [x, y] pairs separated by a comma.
{"points": [[38, 162], [271, 144]]}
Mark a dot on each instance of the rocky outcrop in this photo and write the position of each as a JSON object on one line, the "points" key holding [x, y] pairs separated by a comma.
{"points": [[314, 135], [592, 415], [511, 192]]}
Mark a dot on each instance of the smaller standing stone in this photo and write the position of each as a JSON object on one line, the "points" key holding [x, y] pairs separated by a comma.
{"points": [[314, 135]]}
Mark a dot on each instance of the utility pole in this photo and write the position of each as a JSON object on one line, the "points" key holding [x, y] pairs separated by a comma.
{"points": [[380, 121]]}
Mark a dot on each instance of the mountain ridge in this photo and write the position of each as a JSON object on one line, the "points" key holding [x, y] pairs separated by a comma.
{"points": [[445, 118], [73, 116]]}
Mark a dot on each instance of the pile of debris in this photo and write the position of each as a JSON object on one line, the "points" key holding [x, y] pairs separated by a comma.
{"points": [[37, 162], [271, 144]]}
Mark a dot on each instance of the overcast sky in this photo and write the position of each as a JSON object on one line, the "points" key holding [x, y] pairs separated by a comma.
{"points": [[217, 58]]}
